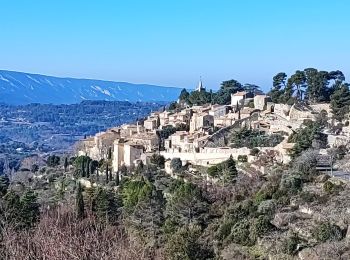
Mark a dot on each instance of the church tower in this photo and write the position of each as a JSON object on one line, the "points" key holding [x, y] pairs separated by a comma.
{"points": [[200, 87]]}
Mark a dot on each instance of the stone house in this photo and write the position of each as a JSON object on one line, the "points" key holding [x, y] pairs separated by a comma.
{"points": [[200, 121], [97, 147], [126, 153], [151, 123], [240, 98], [150, 141], [260, 102], [218, 111]]}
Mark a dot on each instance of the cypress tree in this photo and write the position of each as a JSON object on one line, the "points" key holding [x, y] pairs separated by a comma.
{"points": [[79, 202], [109, 155], [65, 164], [83, 167], [107, 173], [88, 162], [4, 184], [110, 176], [117, 178]]}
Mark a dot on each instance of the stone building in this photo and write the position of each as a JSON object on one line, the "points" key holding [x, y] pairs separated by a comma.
{"points": [[282, 110], [218, 111], [97, 147], [200, 121], [126, 153], [150, 141], [260, 101], [151, 123], [240, 98]]}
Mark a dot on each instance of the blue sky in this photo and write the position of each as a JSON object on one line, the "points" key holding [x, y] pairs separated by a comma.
{"points": [[174, 42]]}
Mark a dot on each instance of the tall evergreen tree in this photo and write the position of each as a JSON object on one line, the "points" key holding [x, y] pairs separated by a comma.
{"points": [[340, 101], [88, 162], [186, 205], [297, 83], [79, 200], [109, 155], [184, 95], [83, 167], [117, 180], [4, 184], [107, 173], [30, 209], [229, 170], [279, 83], [106, 206], [65, 165], [317, 82], [223, 96]]}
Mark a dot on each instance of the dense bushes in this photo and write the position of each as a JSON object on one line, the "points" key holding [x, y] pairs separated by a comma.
{"points": [[289, 244], [327, 231], [254, 138], [331, 188], [158, 160], [225, 171], [185, 244], [307, 137]]}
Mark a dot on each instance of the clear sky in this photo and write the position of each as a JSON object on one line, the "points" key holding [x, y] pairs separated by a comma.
{"points": [[173, 42]]}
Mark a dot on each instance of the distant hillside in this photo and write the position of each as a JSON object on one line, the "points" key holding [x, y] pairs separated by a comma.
{"points": [[23, 88]]}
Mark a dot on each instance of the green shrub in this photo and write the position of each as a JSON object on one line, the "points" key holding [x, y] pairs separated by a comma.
{"points": [[185, 244], [253, 138], [242, 210], [308, 197], [267, 207], [254, 151], [176, 164], [242, 158], [224, 229], [240, 233], [289, 244], [331, 188], [158, 160], [327, 232], [213, 171], [259, 226], [265, 193], [291, 183]]}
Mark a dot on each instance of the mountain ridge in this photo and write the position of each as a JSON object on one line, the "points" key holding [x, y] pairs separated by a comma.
{"points": [[24, 88]]}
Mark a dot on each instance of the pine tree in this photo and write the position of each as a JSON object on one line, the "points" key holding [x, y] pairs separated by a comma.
{"points": [[229, 170], [186, 204], [106, 206], [340, 102], [30, 209], [79, 202]]}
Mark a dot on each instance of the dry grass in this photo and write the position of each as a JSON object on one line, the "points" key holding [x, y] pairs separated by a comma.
{"points": [[60, 236]]}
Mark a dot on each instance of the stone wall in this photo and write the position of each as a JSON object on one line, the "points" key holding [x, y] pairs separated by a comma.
{"points": [[282, 110], [260, 102]]}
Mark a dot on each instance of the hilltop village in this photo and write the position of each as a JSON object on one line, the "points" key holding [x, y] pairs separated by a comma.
{"points": [[235, 174], [201, 135]]}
